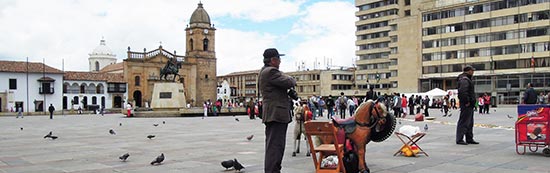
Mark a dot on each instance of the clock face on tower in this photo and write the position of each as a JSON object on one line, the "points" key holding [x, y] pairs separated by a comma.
{"points": [[206, 31]]}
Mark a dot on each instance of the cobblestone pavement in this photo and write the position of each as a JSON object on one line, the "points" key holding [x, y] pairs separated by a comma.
{"points": [[198, 145]]}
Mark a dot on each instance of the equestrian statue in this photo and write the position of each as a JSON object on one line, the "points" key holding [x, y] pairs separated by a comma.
{"points": [[171, 67]]}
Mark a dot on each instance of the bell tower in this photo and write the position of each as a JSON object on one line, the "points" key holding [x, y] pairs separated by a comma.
{"points": [[200, 49]]}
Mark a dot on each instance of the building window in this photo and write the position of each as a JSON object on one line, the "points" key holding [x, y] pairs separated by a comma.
{"points": [[191, 44], [407, 2], [407, 12], [205, 44], [96, 66], [205, 76], [13, 84], [94, 100], [137, 80]]}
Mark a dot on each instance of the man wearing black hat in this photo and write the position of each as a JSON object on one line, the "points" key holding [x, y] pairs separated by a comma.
{"points": [[467, 98], [273, 86]]}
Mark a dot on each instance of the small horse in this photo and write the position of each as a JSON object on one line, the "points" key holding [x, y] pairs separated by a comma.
{"points": [[373, 123], [300, 116]]}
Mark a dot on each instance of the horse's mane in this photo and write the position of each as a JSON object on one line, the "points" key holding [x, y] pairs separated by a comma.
{"points": [[382, 106]]}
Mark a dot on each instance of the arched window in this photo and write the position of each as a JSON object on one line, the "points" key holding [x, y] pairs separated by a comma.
{"points": [[205, 44], [191, 45], [99, 89], [96, 66], [137, 80], [94, 100], [82, 88]]}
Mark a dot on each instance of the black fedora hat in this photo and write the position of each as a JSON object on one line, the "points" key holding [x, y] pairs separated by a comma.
{"points": [[272, 52]]}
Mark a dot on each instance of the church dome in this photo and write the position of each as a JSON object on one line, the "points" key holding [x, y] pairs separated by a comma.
{"points": [[102, 49], [200, 16]]}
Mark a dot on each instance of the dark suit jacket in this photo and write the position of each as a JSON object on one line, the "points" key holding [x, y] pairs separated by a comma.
{"points": [[273, 87]]}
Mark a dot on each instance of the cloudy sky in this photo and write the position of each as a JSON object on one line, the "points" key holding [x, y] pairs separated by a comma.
{"points": [[307, 31]]}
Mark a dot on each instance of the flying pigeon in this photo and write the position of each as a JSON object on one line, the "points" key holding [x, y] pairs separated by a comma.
{"points": [[228, 164], [112, 132], [158, 160], [426, 127], [124, 157], [250, 137], [150, 136], [48, 135], [236, 119], [237, 165], [509, 116], [119, 124], [53, 137], [155, 125], [163, 122]]}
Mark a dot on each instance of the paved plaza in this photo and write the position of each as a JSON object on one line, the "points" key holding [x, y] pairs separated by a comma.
{"points": [[197, 145]]}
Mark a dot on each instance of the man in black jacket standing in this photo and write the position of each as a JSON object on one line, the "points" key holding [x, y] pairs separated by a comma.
{"points": [[411, 105], [51, 109], [530, 97], [273, 85], [467, 98]]}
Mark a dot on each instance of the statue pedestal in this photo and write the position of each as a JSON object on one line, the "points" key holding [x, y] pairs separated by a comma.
{"points": [[168, 95]]}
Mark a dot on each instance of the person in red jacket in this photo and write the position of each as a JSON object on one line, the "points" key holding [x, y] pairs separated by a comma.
{"points": [[404, 105]]}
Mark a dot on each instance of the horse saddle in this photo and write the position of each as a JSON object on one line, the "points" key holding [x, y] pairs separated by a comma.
{"points": [[347, 124]]}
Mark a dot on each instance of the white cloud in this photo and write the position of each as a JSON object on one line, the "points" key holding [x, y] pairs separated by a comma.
{"points": [[69, 30], [255, 10], [240, 51], [329, 31]]}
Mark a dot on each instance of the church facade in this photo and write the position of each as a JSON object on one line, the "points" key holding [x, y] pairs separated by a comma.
{"points": [[197, 69]]}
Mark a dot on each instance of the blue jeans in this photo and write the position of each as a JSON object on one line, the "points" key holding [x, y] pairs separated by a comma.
{"points": [[351, 110], [330, 112]]}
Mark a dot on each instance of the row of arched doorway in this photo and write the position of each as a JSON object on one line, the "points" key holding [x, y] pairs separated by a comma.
{"points": [[117, 101]]}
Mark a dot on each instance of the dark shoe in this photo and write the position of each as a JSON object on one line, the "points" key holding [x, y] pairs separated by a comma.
{"points": [[293, 154], [472, 142], [461, 143]]}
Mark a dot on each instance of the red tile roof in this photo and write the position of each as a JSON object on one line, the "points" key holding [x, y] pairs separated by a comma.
{"points": [[94, 76], [112, 67], [21, 67]]}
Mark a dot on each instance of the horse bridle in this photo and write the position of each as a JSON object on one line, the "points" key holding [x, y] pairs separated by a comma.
{"points": [[373, 121]]}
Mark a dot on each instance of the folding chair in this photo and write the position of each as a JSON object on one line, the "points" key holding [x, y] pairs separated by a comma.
{"points": [[411, 141], [329, 145]]}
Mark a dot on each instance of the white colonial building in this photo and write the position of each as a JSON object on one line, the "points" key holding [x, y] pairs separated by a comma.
{"points": [[91, 90], [30, 85], [224, 92]]}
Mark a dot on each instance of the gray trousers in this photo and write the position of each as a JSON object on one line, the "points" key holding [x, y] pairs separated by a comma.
{"points": [[465, 124], [275, 141]]}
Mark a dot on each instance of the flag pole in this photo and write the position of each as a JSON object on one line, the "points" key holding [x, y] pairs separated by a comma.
{"points": [[27, 87], [43, 77]]}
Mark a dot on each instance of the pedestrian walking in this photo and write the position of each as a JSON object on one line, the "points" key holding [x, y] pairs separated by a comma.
{"points": [[19, 111], [330, 106], [530, 97], [51, 109]]}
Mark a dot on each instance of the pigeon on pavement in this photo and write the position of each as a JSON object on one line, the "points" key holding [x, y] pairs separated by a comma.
{"points": [[119, 124], [228, 164], [163, 122], [124, 157], [53, 137], [155, 125], [150, 136], [112, 132], [509, 116], [426, 127], [158, 160], [21, 128], [238, 166], [250, 137], [236, 119], [48, 135]]}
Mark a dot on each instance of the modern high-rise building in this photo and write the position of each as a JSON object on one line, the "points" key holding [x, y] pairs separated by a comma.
{"points": [[425, 44], [387, 50]]}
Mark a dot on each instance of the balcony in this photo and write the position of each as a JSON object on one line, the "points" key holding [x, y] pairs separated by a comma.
{"points": [[46, 90]]}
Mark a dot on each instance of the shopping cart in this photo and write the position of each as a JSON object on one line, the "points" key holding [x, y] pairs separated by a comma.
{"points": [[532, 128]]}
